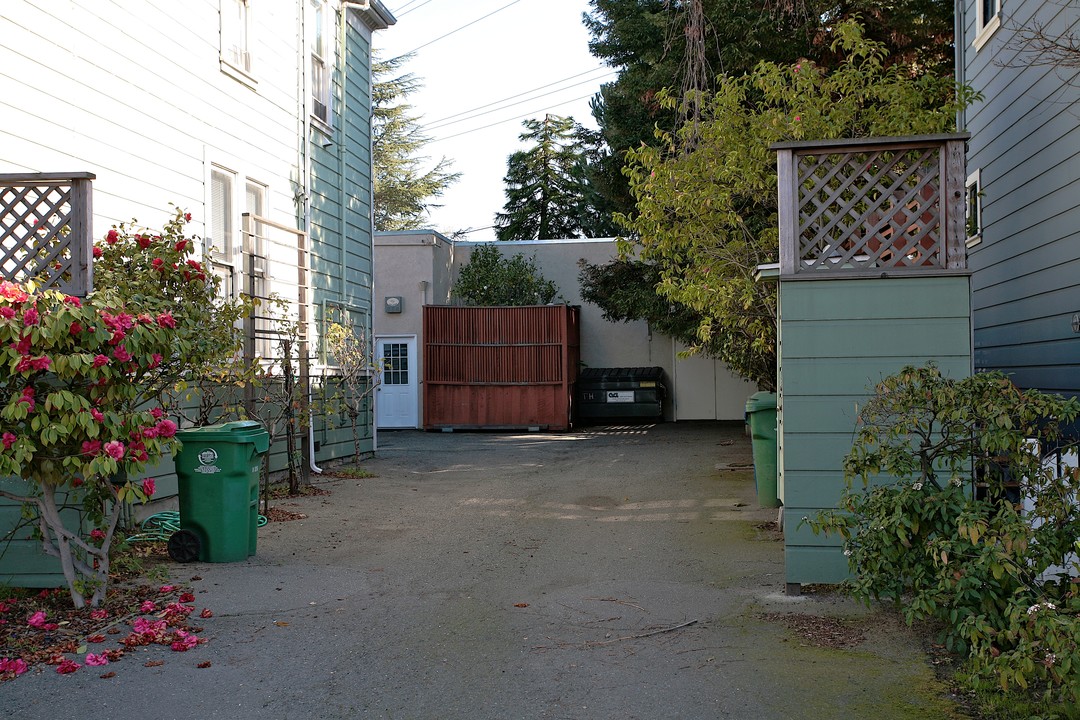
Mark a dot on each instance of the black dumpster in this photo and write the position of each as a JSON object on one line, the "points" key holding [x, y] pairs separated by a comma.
{"points": [[620, 393]]}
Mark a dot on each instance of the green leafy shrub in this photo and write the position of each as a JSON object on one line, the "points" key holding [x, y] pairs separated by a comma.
{"points": [[491, 279], [936, 522]]}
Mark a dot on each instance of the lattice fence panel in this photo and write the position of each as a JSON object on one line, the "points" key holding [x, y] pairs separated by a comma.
{"points": [[45, 233], [877, 209]]}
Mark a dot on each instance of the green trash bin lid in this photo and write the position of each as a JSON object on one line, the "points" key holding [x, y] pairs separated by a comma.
{"points": [[761, 401], [236, 431]]}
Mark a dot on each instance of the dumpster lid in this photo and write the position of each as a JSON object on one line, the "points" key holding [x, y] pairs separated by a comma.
{"points": [[761, 401], [623, 374]]}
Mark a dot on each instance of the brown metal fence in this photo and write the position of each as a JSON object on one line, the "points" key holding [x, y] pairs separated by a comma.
{"points": [[499, 367]]}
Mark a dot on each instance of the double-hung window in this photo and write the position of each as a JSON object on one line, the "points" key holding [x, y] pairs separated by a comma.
{"points": [[987, 20], [236, 57], [321, 65]]}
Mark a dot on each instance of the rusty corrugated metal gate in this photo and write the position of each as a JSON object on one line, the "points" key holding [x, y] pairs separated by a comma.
{"points": [[499, 367]]}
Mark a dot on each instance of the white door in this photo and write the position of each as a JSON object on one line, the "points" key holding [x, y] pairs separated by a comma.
{"points": [[396, 399]]}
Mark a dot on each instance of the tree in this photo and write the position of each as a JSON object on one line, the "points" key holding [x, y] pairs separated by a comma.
{"points": [[706, 212], [491, 279], [358, 374], [403, 189], [82, 379], [546, 190]]}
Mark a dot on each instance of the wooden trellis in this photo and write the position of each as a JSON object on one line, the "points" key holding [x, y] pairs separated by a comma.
{"points": [[46, 230], [892, 205]]}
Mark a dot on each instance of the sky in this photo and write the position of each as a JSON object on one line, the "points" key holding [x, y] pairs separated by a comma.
{"points": [[486, 66]]}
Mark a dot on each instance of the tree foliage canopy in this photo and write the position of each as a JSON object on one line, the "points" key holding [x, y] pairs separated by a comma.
{"points": [[404, 190], [706, 210]]}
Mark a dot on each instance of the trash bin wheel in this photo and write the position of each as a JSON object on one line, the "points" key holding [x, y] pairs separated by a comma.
{"points": [[184, 546]]}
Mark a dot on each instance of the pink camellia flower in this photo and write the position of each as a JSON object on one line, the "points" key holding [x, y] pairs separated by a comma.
{"points": [[155, 360], [41, 363], [93, 660], [97, 415], [75, 328], [13, 292], [187, 217], [97, 251], [147, 606], [91, 447], [12, 666], [157, 412], [30, 316], [67, 666], [166, 428], [8, 440], [72, 300], [37, 619], [166, 589], [148, 487], [7, 312], [97, 534], [798, 118], [100, 360], [166, 320], [184, 641], [121, 354], [114, 449], [112, 237], [194, 264], [157, 263], [99, 614], [143, 241], [181, 245]]}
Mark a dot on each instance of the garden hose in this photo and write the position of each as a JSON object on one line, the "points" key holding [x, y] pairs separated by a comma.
{"points": [[160, 527]]}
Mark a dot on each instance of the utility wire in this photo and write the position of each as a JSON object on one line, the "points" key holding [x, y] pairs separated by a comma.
{"points": [[401, 12], [438, 126], [441, 120], [519, 117], [469, 24]]}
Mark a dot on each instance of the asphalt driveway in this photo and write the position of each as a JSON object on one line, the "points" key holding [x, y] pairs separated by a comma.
{"points": [[613, 572]]}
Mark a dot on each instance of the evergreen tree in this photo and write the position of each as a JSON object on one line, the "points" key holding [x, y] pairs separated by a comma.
{"points": [[546, 189], [403, 188]]}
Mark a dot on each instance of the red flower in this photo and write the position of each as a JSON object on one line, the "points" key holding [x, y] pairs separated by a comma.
{"points": [[158, 263], [114, 449], [194, 264], [30, 317], [97, 534], [76, 328], [23, 346], [157, 412], [41, 363], [148, 486], [112, 237], [7, 312], [13, 292], [72, 300], [166, 320], [155, 360], [143, 241], [97, 251], [67, 666], [166, 428], [100, 360], [181, 245], [187, 217], [8, 440], [97, 415], [91, 447], [121, 354]]}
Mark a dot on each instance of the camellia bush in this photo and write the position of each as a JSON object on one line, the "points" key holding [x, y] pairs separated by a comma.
{"points": [[959, 509], [80, 415], [491, 279]]}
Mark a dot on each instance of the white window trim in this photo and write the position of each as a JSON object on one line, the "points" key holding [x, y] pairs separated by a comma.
{"points": [[234, 260], [238, 69], [974, 181], [985, 28]]}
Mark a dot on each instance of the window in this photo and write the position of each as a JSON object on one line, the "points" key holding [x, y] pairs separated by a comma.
{"points": [[987, 20], [254, 203], [973, 216], [235, 37], [320, 63], [222, 226]]}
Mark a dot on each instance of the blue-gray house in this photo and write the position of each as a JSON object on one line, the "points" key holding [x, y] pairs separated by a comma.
{"points": [[1023, 188]]}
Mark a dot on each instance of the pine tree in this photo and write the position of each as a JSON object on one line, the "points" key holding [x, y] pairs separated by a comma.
{"points": [[403, 189], [546, 188]]}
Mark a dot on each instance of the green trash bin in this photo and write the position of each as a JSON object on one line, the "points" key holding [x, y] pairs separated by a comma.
{"points": [[218, 472], [761, 411]]}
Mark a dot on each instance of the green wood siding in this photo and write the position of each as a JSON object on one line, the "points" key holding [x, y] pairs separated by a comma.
{"points": [[838, 338]]}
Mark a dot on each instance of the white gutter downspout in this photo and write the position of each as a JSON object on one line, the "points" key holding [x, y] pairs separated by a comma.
{"points": [[305, 177]]}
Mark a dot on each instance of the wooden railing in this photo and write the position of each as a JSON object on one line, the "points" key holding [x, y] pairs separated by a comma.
{"points": [[872, 206]]}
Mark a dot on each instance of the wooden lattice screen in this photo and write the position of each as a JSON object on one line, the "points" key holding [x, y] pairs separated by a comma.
{"points": [[870, 206], [46, 230]]}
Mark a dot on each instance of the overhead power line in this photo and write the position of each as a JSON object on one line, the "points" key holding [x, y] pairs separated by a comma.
{"points": [[405, 9], [455, 30], [438, 125], [518, 117]]}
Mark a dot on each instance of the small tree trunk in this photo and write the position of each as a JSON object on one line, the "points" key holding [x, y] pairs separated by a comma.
{"points": [[355, 437]]}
